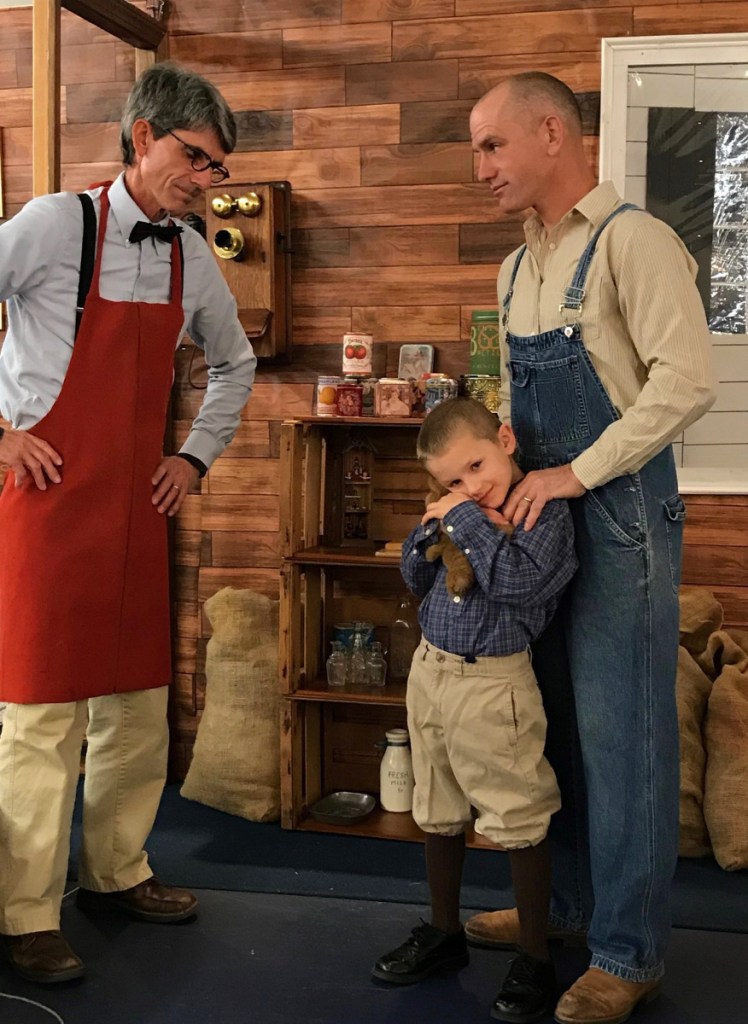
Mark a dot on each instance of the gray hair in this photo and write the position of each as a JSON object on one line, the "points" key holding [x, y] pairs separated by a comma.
{"points": [[169, 96]]}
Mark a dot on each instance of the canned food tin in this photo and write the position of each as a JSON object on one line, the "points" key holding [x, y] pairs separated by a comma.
{"points": [[393, 397], [438, 390], [327, 396], [485, 358], [357, 354], [350, 398], [483, 387]]}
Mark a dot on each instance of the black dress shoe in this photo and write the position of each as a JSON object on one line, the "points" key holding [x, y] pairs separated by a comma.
{"points": [[426, 951], [151, 900], [528, 993], [43, 957]]}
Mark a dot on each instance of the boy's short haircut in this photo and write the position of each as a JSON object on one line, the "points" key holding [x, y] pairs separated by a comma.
{"points": [[445, 419]]}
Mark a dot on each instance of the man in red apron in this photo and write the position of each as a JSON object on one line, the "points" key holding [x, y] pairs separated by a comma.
{"points": [[84, 602]]}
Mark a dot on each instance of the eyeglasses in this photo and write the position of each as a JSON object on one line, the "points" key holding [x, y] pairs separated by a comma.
{"points": [[201, 161]]}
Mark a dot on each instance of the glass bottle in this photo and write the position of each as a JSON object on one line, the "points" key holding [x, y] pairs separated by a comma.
{"points": [[376, 666], [337, 665], [405, 635], [357, 674], [396, 773]]}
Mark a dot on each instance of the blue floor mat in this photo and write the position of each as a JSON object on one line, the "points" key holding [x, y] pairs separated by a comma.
{"points": [[196, 846]]}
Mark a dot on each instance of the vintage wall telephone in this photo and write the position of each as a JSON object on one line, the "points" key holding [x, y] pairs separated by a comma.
{"points": [[248, 228]]}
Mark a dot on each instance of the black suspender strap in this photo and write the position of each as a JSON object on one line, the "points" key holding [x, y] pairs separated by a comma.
{"points": [[88, 256]]}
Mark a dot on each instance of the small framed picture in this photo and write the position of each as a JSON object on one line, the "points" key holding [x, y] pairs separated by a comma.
{"points": [[415, 360]]}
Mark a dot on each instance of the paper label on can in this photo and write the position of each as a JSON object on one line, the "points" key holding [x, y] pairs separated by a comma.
{"points": [[357, 354]]}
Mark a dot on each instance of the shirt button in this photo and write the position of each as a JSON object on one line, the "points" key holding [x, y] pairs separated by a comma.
{"points": [[428, 532], [456, 599], [467, 551], [450, 529], [552, 246]]}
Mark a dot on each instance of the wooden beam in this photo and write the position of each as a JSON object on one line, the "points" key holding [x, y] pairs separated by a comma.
{"points": [[46, 97], [146, 58], [120, 19]]}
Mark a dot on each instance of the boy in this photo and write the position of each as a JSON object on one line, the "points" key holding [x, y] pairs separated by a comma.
{"points": [[475, 714]]}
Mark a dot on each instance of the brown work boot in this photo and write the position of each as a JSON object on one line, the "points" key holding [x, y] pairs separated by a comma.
{"points": [[601, 998], [148, 901], [499, 929], [43, 957]]}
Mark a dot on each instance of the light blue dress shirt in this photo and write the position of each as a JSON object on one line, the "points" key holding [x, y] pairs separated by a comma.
{"points": [[40, 250]]}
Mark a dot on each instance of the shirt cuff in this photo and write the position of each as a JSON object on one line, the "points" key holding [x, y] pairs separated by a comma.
{"points": [[591, 470], [194, 461]]}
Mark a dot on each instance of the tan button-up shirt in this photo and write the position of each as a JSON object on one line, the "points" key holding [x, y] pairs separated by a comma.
{"points": [[642, 322]]}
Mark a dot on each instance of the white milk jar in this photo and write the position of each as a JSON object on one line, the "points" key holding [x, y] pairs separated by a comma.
{"points": [[396, 773]]}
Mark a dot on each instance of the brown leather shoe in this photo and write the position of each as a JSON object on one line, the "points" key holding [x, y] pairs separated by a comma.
{"points": [[148, 901], [499, 929], [43, 957], [601, 998]]}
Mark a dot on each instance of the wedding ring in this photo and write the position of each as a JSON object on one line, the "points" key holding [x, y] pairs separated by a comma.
{"points": [[175, 486], [525, 498]]}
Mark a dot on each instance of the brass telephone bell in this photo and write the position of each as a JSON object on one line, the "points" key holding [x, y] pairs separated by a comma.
{"points": [[249, 205], [228, 244], [222, 206]]}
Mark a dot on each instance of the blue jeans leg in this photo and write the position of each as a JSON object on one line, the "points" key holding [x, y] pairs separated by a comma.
{"points": [[572, 902], [623, 641]]}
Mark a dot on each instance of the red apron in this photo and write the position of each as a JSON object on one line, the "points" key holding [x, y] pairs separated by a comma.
{"points": [[84, 581]]}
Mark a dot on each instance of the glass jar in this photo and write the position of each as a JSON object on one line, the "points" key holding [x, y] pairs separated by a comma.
{"points": [[357, 673], [376, 665], [337, 665]]}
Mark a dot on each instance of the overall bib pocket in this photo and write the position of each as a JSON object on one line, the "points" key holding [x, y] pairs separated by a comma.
{"points": [[548, 401]]}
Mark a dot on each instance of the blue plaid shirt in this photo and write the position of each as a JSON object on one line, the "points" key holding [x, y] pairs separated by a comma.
{"points": [[518, 580]]}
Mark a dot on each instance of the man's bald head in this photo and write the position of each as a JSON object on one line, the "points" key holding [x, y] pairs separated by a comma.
{"points": [[540, 95]]}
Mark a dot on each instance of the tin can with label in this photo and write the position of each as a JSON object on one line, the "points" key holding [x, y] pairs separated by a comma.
{"points": [[483, 387], [368, 387], [393, 397], [350, 399], [438, 389], [327, 396], [485, 357], [357, 354]]}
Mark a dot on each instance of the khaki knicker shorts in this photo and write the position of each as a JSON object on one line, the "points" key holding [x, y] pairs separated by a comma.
{"points": [[477, 735]]}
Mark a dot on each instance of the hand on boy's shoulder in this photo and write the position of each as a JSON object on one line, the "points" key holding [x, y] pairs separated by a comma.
{"points": [[527, 498], [438, 509]]}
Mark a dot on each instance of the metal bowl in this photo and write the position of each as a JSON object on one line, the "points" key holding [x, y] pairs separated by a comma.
{"points": [[343, 808]]}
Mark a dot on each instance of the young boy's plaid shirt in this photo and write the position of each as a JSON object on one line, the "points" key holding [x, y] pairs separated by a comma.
{"points": [[518, 580]]}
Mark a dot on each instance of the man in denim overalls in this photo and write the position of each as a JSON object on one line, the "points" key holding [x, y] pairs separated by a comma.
{"points": [[605, 360]]}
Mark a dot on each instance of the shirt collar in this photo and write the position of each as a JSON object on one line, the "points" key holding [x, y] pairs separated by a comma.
{"points": [[124, 209], [594, 207]]}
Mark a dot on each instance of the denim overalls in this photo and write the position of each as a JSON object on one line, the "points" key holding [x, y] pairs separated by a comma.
{"points": [[620, 619]]}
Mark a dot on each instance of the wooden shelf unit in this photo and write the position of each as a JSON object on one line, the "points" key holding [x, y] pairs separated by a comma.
{"points": [[328, 735]]}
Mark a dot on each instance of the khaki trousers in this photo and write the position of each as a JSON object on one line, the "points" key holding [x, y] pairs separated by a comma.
{"points": [[40, 749]]}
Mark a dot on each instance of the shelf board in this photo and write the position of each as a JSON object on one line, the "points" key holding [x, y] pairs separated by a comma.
{"points": [[390, 694], [360, 421], [386, 825], [343, 556]]}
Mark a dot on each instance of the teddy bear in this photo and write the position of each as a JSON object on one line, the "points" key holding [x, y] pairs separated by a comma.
{"points": [[460, 575]]}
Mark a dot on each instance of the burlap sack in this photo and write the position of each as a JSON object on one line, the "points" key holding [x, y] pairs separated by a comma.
{"points": [[700, 615], [726, 735], [236, 761], [692, 695]]}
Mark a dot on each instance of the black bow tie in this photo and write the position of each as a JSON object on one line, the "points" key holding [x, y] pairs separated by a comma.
{"points": [[144, 229]]}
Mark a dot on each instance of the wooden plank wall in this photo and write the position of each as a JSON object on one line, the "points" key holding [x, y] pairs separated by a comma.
{"points": [[363, 106]]}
